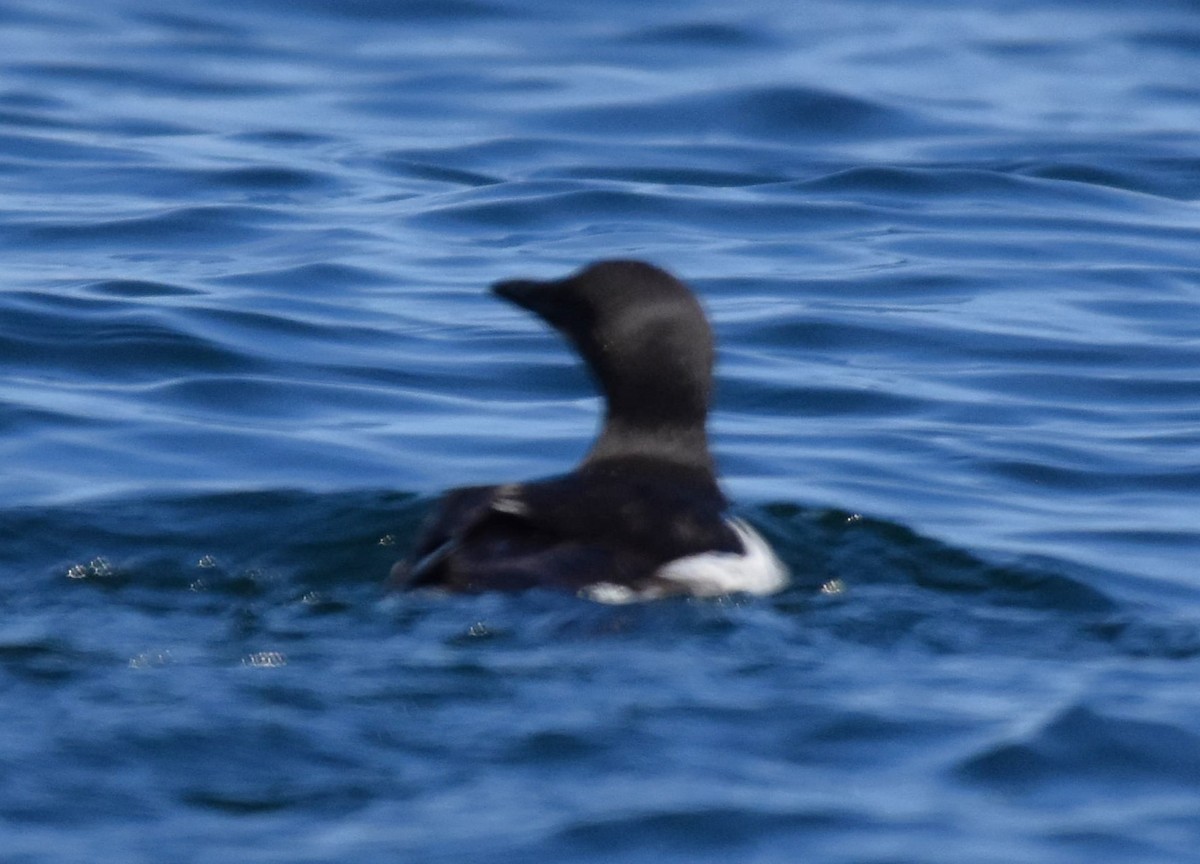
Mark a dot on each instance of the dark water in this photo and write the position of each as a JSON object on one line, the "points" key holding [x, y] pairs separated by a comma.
{"points": [[951, 252]]}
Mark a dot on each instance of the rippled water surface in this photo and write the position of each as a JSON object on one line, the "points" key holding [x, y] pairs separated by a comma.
{"points": [[951, 255]]}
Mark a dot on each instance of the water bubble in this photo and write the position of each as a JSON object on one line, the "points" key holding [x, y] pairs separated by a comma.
{"points": [[265, 659], [97, 568], [833, 586], [148, 659]]}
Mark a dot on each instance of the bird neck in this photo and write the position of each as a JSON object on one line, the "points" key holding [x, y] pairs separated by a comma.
{"points": [[623, 438]]}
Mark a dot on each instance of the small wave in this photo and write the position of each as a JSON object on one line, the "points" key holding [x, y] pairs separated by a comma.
{"points": [[316, 278], [832, 545], [671, 176], [140, 288], [118, 342], [41, 659], [173, 83], [410, 11], [407, 167], [270, 178], [25, 149], [1082, 745], [779, 113], [206, 225], [696, 828], [538, 207], [716, 35]]}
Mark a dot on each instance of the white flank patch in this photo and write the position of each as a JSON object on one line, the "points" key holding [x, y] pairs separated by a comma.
{"points": [[755, 570], [610, 592]]}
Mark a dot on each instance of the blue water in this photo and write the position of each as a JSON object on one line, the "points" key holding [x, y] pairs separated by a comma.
{"points": [[952, 256]]}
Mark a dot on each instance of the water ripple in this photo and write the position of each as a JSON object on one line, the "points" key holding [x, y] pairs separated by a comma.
{"points": [[1136, 751], [245, 339], [792, 114]]}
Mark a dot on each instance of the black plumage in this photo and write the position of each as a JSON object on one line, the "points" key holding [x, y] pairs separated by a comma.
{"points": [[646, 493]]}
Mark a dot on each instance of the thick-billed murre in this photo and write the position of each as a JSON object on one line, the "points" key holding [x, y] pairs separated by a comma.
{"points": [[642, 515]]}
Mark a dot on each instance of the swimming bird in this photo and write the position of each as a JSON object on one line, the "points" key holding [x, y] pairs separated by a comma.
{"points": [[642, 516]]}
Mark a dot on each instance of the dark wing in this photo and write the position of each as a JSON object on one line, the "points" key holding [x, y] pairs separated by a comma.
{"points": [[615, 525], [487, 538], [457, 514]]}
